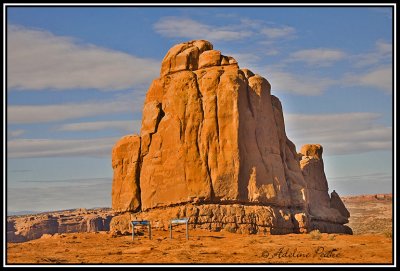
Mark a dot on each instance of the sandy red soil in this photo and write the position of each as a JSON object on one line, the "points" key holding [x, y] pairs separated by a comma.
{"points": [[202, 247], [371, 220]]}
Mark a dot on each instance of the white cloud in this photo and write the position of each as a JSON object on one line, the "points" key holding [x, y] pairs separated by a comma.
{"points": [[51, 113], [382, 53], [380, 78], [269, 34], [342, 133], [362, 183], [15, 133], [38, 59], [318, 56], [278, 32], [28, 148], [297, 83], [384, 47], [247, 28], [17, 114], [124, 125], [272, 52], [64, 194], [377, 176], [245, 60], [191, 29]]}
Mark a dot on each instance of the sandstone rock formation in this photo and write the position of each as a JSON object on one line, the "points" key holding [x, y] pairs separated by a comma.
{"points": [[212, 135], [125, 157], [324, 210], [29, 227]]}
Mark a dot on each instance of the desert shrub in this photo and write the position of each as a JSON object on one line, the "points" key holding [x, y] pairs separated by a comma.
{"points": [[254, 241], [388, 234], [315, 234], [331, 237], [230, 229]]}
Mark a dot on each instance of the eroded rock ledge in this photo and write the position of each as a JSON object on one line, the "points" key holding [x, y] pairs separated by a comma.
{"points": [[213, 139], [30, 227]]}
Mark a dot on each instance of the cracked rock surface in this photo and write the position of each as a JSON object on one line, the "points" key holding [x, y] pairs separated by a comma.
{"points": [[212, 133]]}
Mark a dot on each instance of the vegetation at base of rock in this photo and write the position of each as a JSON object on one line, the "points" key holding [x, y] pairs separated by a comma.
{"points": [[315, 234]]}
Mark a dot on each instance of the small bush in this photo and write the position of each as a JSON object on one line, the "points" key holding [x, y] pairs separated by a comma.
{"points": [[331, 237], [253, 241], [315, 235], [229, 229], [388, 234]]}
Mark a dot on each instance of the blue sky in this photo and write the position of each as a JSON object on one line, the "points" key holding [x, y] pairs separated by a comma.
{"points": [[77, 78]]}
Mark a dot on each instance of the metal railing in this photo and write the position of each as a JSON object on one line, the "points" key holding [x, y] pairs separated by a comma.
{"points": [[179, 221], [140, 223]]}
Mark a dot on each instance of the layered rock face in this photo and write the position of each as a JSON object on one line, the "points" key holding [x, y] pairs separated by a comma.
{"points": [[212, 134], [125, 162], [25, 228]]}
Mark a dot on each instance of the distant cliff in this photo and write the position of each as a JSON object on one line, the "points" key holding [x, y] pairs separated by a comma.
{"points": [[29, 227]]}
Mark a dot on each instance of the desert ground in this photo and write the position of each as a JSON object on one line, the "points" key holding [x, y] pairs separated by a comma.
{"points": [[203, 247], [371, 243]]}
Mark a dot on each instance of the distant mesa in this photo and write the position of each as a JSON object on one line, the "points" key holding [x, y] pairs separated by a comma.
{"points": [[213, 147], [33, 226]]}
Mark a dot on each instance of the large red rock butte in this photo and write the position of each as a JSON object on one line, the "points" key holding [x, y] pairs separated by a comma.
{"points": [[213, 148]]}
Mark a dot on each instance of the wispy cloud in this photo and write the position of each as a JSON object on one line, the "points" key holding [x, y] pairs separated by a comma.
{"points": [[379, 78], [28, 148], [342, 133], [245, 60], [62, 182], [187, 28], [38, 59], [18, 114], [15, 133], [269, 30], [317, 56], [383, 52], [20, 170], [377, 176], [53, 195], [277, 32], [384, 47], [124, 125], [301, 84], [361, 186], [181, 27], [59, 112], [378, 182]]}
